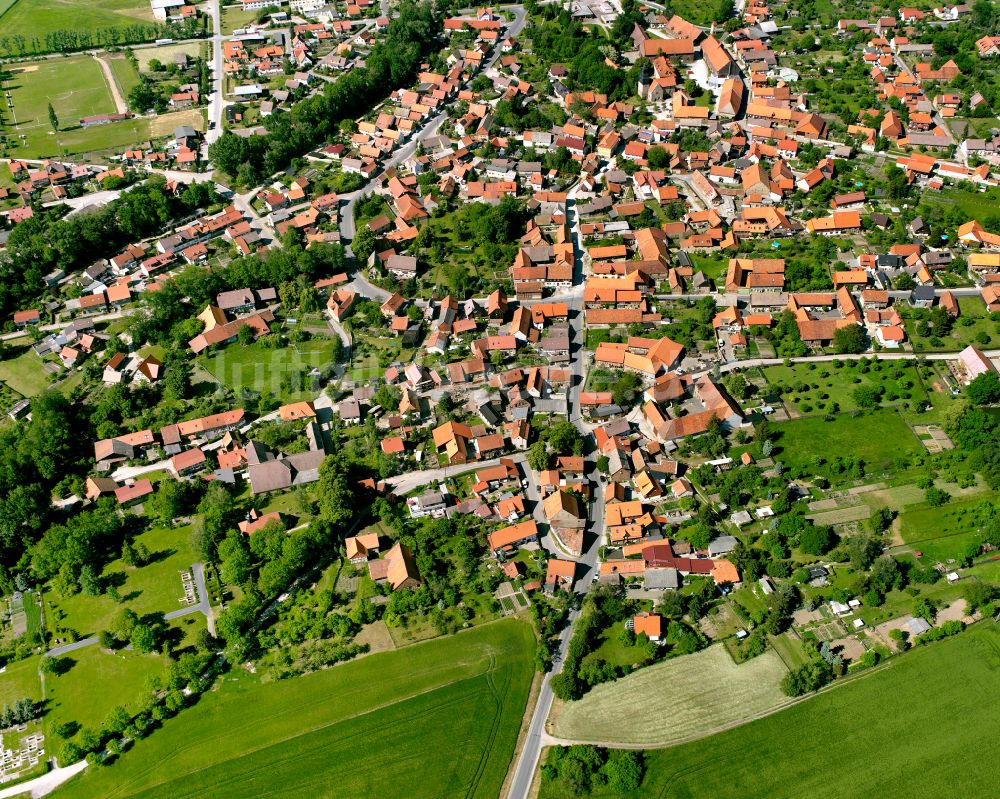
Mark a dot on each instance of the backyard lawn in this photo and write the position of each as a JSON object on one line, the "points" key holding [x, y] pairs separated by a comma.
{"points": [[972, 324], [446, 713], [257, 368], [876, 438], [912, 728], [682, 697], [24, 374]]}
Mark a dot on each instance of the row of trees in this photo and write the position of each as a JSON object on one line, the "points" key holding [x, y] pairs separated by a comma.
{"points": [[391, 64]]}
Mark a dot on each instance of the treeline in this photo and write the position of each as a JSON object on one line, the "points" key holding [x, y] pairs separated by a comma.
{"points": [[392, 64], [70, 40], [49, 241]]}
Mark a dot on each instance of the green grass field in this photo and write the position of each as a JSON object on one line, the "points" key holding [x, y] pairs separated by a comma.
{"points": [[75, 87], [811, 390], [877, 438], [24, 374], [680, 698], [32, 18], [97, 682], [165, 53], [260, 369], [943, 532], [19, 680], [915, 728], [234, 17], [124, 73], [436, 720], [154, 588]]}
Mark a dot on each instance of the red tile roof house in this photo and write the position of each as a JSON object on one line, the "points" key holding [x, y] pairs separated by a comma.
{"points": [[129, 496], [187, 462], [24, 318]]}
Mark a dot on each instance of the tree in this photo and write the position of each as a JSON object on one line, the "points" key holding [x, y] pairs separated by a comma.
{"points": [[984, 389], [624, 770], [245, 335], [53, 119], [538, 456], [816, 540], [141, 97], [363, 244], [849, 339], [336, 497], [935, 497], [143, 638], [117, 720], [90, 584], [658, 158], [736, 384], [867, 397]]}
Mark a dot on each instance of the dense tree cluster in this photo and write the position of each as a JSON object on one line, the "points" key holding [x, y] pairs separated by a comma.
{"points": [[577, 770]]}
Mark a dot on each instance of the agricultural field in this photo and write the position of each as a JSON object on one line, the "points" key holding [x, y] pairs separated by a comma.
{"points": [[449, 708], [35, 18], [678, 699], [877, 438], [941, 700], [258, 368]]}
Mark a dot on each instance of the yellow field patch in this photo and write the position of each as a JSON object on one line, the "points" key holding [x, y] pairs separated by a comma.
{"points": [[164, 124]]}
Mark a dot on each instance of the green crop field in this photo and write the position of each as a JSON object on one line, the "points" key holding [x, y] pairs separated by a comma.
{"points": [[35, 18], [915, 728], [438, 719], [876, 438], [680, 698]]}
